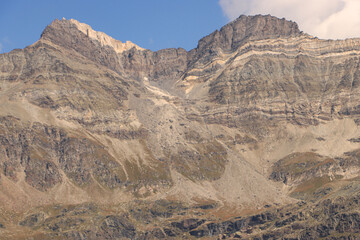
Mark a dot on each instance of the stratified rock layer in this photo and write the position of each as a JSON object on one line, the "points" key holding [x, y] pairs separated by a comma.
{"points": [[106, 140]]}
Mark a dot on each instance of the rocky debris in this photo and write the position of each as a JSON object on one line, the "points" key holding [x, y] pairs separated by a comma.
{"points": [[42, 174], [83, 113], [114, 227], [328, 218], [229, 227], [355, 140], [187, 224], [166, 209], [156, 233], [207, 206], [33, 220], [283, 224], [64, 225]]}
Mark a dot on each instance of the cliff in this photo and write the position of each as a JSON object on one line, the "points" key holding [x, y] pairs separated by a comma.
{"points": [[247, 135]]}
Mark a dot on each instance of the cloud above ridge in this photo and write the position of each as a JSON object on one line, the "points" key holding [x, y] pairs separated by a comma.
{"points": [[334, 19]]}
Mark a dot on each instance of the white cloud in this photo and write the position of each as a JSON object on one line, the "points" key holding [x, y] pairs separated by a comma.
{"points": [[322, 18]]}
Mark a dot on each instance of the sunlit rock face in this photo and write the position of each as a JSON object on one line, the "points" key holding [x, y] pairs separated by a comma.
{"points": [[252, 134]]}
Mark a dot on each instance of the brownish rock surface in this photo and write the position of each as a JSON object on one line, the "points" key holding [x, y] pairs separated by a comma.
{"points": [[106, 140]]}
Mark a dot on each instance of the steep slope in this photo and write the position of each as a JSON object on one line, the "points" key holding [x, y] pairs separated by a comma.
{"points": [[58, 111], [102, 139], [126, 59]]}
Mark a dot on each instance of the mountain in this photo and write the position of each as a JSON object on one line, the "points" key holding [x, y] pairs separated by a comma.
{"points": [[252, 134]]}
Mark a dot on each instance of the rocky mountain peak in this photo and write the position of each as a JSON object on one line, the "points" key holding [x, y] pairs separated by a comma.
{"points": [[254, 134], [244, 28], [103, 38], [59, 29], [264, 26]]}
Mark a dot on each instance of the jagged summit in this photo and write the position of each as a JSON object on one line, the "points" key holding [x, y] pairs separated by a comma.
{"points": [[264, 26], [59, 28], [101, 139], [245, 28], [228, 37]]}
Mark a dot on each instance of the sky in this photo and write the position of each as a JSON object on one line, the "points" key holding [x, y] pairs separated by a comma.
{"points": [[327, 19], [151, 24], [158, 24]]}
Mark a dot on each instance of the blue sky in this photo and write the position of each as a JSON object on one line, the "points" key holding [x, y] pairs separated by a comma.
{"points": [[158, 24], [151, 24], [334, 19]]}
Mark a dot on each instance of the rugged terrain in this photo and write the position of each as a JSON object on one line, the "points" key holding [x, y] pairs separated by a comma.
{"points": [[252, 134]]}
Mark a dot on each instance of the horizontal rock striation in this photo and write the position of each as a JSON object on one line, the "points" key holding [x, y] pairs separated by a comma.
{"points": [[102, 139]]}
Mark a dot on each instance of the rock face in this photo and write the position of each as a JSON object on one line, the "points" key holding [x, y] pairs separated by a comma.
{"points": [[252, 134]]}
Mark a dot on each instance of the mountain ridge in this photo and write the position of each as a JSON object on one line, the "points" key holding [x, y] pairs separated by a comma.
{"points": [[267, 24], [102, 140]]}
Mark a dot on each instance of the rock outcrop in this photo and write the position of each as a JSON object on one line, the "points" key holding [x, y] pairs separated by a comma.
{"points": [[252, 134]]}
